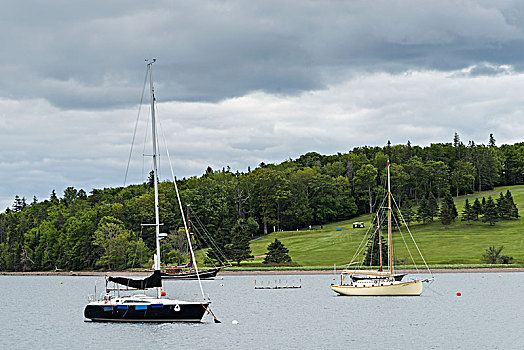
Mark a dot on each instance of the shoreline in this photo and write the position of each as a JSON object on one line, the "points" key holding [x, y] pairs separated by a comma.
{"points": [[253, 272]]}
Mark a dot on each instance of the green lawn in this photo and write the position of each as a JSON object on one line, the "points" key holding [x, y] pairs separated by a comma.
{"points": [[459, 243]]}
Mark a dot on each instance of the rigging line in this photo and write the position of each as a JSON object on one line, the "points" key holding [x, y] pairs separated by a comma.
{"points": [[182, 212], [136, 248], [405, 243], [383, 217], [361, 246], [206, 232], [211, 244], [201, 235], [145, 142], [433, 290], [136, 126], [159, 168], [372, 238], [202, 243], [359, 249], [412, 238], [377, 196]]}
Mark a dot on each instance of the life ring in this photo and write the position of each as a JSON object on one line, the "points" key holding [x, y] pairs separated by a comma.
{"points": [[177, 308]]}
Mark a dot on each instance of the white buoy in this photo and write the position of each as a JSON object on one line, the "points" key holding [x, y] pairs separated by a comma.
{"points": [[221, 284], [234, 322]]}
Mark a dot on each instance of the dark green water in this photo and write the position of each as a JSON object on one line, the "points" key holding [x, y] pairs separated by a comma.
{"points": [[40, 313]]}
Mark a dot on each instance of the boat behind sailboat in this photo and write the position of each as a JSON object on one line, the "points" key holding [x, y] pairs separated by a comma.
{"points": [[188, 271]]}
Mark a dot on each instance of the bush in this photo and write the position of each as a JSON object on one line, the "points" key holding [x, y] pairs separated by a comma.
{"points": [[493, 256]]}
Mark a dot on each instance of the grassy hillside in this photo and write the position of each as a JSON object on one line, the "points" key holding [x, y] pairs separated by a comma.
{"points": [[458, 243]]}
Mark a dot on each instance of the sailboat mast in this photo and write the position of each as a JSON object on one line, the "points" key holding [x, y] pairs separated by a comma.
{"points": [[390, 240], [379, 242], [155, 168]]}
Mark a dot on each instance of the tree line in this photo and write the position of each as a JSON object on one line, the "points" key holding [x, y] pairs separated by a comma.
{"points": [[103, 228]]}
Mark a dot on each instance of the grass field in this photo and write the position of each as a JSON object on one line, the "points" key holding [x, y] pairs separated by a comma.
{"points": [[458, 243]]}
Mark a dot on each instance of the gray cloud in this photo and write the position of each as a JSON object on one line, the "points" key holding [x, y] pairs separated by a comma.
{"points": [[254, 81], [89, 55]]}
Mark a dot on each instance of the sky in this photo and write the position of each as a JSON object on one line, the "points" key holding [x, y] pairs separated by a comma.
{"points": [[243, 82]]}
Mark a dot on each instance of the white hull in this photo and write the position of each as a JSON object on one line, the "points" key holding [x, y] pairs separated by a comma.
{"points": [[412, 288]]}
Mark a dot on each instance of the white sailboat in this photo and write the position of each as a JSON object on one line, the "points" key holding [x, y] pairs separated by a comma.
{"points": [[380, 282], [113, 307]]}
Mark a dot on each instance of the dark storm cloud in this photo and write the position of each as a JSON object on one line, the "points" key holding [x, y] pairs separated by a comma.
{"points": [[89, 55], [244, 82]]}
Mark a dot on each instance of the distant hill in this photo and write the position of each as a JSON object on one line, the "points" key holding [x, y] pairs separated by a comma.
{"points": [[459, 243], [102, 228]]}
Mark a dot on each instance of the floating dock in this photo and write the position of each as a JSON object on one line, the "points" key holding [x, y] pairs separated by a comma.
{"points": [[278, 284]]}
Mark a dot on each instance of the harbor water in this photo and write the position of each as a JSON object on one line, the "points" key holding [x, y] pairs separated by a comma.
{"points": [[46, 312]]}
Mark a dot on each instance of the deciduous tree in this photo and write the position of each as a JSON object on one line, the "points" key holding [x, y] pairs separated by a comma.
{"points": [[365, 181]]}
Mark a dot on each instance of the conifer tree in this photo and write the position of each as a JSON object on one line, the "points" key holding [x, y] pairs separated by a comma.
{"points": [[502, 207], [477, 209], [490, 212], [18, 205], [513, 211], [82, 194], [277, 253], [433, 209], [53, 196], [491, 141], [451, 206], [445, 214], [467, 213], [456, 140], [151, 179], [407, 211], [423, 213], [239, 248]]}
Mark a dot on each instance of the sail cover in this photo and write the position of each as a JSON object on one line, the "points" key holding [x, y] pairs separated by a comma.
{"points": [[149, 282], [366, 272]]}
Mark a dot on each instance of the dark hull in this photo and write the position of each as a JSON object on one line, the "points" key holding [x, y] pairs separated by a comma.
{"points": [[152, 313], [205, 274]]}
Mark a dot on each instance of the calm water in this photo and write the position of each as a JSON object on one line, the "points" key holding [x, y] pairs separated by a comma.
{"points": [[39, 312]]}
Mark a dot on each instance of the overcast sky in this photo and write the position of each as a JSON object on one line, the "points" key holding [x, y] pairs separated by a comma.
{"points": [[244, 82]]}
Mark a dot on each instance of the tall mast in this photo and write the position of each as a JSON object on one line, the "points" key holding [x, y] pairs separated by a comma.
{"points": [[150, 64], [390, 240], [155, 168], [379, 242]]}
